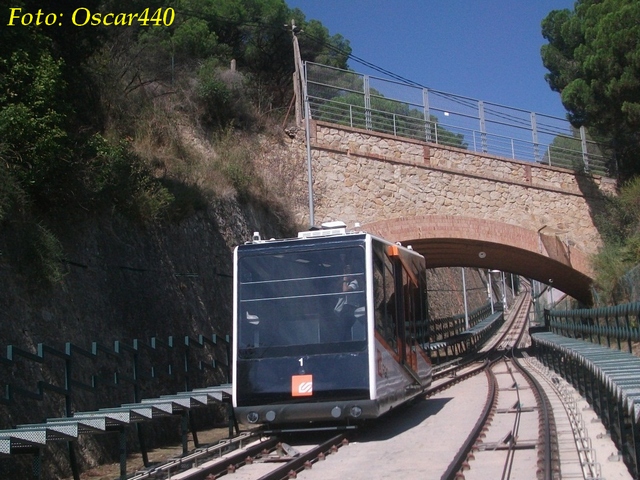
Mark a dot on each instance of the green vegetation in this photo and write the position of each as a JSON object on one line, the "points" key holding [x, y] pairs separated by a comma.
{"points": [[593, 58], [566, 151], [621, 251], [101, 120]]}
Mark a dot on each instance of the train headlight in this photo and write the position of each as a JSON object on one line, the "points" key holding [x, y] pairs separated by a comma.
{"points": [[252, 417], [336, 412], [270, 416], [355, 411]]}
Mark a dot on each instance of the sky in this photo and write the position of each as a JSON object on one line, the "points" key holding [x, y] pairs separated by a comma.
{"points": [[482, 49]]}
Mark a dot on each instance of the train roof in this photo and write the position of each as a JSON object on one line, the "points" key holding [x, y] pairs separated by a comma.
{"points": [[328, 230]]}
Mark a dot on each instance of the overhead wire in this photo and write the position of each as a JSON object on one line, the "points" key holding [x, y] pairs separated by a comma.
{"points": [[388, 73], [514, 120], [464, 102], [469, 103]]}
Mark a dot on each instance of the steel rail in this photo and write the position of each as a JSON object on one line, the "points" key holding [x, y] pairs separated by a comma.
{"points": [[506, 473], [192, 459], [546, 422], [468, 360], [492, 396], [225, 464], [546, 410], [305, 460]]}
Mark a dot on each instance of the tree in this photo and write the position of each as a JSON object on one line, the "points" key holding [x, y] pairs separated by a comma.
{"points": [[620, 254], [33, 115], [254, 33], [566, 151], [593, 58], [318, 46]]}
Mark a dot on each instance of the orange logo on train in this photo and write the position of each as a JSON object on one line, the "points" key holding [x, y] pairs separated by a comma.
{"points": [[302, 385]]}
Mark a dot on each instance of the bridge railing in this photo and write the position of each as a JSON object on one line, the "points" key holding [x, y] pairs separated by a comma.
{"points": [[617, 326], [412, 111]]}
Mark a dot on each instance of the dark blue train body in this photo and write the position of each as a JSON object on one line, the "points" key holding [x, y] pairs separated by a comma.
{"points": [[328, 327]]}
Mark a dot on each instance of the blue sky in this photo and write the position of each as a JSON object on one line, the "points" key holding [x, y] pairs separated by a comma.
{"points": [[486, 50]]}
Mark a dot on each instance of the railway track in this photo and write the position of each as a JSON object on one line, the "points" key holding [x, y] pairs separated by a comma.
{"points": [[493, 410], [249, 457], [504, 448], [504, 443], [501, 444], [503, 342]]}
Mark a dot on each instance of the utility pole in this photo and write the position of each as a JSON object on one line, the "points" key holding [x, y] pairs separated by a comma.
{"points": [[464, 296], [302, 80], [504, 292], [490, 288], [297, 61]]}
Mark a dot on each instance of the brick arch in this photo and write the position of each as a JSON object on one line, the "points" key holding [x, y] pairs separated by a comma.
{"points": [[457, 241]]}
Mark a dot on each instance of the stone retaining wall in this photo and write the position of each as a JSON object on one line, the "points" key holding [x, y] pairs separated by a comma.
{"points": [[364, 177]]}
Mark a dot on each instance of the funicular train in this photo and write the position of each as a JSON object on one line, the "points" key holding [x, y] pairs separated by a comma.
{"points": [[327, 327]]}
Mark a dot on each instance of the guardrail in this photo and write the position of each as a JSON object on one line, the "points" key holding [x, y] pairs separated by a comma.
{"points": [[411, 111], [617, 326], [443, 328]]}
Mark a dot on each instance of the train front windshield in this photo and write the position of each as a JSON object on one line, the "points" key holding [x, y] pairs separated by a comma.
{"points": [[296, 300]]}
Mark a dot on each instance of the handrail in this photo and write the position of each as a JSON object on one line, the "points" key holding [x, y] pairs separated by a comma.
{"points": [[615, 325], [447, 327], [344, 97]]}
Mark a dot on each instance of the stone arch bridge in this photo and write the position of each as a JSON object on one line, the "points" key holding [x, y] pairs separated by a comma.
{"points": [[460, 208]]}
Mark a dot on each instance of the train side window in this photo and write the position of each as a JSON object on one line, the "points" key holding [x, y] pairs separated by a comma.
{"points": [[384, 298], [414, 313], [423, 313]]}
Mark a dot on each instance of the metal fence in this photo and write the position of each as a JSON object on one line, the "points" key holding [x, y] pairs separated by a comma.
{"points": [[447, 327], [616, 326], [405, 110], [124, 369]]}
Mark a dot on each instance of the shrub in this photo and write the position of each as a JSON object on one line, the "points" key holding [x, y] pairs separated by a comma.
{"points": [[11, 195], [234, 160], [223, 96], [119, 178], [32, 124], [621, 236]]}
